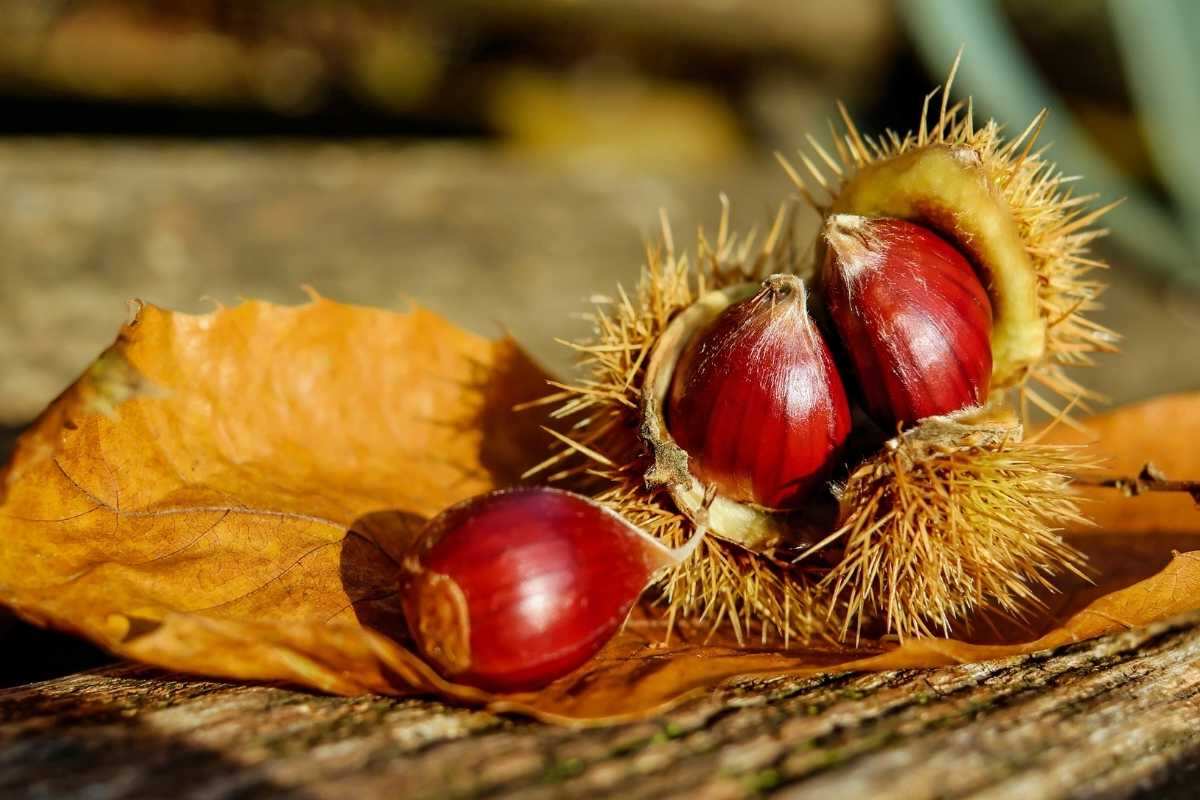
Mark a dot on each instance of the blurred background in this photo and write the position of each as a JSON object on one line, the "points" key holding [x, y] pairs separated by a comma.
{"points": [[501, 161]]}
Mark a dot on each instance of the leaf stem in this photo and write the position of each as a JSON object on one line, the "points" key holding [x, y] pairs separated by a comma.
{"points": [[1149, 479]]}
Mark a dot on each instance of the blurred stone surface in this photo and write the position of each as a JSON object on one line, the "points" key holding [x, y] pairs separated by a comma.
{"points": [[493, 242], [489, 239]]}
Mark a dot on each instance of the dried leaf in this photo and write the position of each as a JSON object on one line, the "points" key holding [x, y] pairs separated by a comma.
{"points": [[227, 495], [1163, 433]]}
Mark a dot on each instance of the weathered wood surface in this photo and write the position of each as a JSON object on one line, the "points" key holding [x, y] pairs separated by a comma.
{"points": [[492, 241], [1116, 717], [496, 243]]}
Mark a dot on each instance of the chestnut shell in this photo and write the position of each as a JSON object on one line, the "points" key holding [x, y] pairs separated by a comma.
{"points": [[747, 524], [518, 588], [757, 401], [912, 315]]}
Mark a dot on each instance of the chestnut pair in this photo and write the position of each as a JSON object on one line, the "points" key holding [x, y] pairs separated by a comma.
{"points": [[759, 400]]}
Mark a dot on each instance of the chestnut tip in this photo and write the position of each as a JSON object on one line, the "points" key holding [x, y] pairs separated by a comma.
{"points": [[854, 240], [784, 285]]}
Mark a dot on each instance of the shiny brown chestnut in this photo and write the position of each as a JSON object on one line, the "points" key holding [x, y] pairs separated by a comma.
{"points": [[517, 588], [912, 315], [756, 400]]}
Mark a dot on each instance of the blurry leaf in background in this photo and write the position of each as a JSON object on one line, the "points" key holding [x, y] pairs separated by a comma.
{"points": [[399, 68], [1158, 43], [607, 119], [1156, 49], [105, 50], [198, 51]]}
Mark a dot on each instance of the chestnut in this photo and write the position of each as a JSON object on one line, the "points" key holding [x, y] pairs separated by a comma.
{"points": [[912, 315], [516, 588], [756, 401]]}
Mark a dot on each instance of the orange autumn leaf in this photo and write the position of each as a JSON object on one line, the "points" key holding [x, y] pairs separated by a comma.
{"points": [[228, 495], [203, 474]]}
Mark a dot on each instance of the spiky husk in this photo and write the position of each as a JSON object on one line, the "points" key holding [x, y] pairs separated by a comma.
{"points": [[950, 518], [1054, 224], [758, 596], [933, 527]]}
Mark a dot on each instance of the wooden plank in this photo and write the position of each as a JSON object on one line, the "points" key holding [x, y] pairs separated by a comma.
{"points": [[1115, 717], [495, 243]]}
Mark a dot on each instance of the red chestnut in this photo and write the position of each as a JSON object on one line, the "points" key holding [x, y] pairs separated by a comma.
{"points": [[913, 317], [756, 401], [517, 588]]}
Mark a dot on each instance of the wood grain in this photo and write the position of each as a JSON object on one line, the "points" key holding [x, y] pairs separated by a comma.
{"points": [[1115, 717]]}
